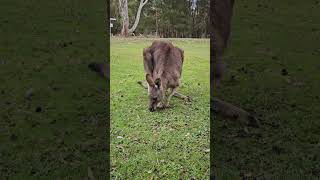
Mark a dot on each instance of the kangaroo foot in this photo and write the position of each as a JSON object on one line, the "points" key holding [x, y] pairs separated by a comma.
{"points": [[231, 111]]}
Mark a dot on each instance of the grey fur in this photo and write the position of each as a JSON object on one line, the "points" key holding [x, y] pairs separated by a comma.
{"points": [[163, 68]]}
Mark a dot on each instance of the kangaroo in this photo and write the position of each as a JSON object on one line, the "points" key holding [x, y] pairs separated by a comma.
{"points": [[221, 17], [163, 67], [222, 11]]}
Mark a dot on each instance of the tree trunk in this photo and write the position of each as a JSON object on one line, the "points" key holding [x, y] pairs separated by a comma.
{"points": [[123, 8], [156, 23], [136, 22]]}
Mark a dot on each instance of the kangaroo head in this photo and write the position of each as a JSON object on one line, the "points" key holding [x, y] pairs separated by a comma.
{"points": [[155, 92]]}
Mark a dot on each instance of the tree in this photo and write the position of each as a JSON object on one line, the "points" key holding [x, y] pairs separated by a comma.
{"points": [[136, 22], [163, 18], [123, 8]]}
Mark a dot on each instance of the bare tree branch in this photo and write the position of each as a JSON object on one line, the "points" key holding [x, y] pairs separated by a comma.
{"points": [[136, 22]]}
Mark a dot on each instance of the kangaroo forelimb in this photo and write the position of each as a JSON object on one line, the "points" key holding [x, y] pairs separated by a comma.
{"points": [[219, 106], [176, 94]]}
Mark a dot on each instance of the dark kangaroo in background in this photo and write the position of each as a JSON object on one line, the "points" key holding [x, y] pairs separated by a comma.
{"points": [[163, 67], [221, 17], [222, 11]]}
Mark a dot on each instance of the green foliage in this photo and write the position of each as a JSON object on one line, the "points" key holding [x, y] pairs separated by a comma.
{"points": [[170, 18]]}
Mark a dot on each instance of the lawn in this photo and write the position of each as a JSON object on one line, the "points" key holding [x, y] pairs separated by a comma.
{"points": [[274, 58], [168, 144], [52, 108]]}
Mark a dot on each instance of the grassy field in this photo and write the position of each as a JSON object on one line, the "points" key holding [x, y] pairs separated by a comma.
{"points": [[168, 144], [274, 57], [52, 108]]}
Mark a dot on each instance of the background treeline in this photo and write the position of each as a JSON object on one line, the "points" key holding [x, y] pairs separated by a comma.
{"points": [[166, 18]]}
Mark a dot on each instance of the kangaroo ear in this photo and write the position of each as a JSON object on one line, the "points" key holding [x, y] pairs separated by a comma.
{"points": [[149, 80], [158, 82]]}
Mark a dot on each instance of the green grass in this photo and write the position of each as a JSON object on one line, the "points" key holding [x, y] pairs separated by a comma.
{"points": [[168, 144], [269, 36], [46, 46]]}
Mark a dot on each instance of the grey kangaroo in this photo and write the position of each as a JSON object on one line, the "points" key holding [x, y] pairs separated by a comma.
{"points": [[163, 67]]}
